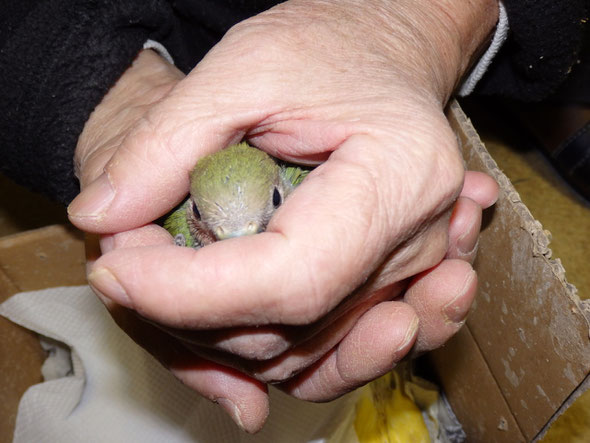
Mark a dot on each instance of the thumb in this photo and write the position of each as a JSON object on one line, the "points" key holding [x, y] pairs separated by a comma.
{"points": [[148, 172]]}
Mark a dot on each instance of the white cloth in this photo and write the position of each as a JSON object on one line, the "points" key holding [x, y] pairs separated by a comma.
{"points": [[117, 392]]}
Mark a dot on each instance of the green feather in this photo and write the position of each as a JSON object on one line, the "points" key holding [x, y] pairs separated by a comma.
{"points": [[293, 174], [176, 224]]}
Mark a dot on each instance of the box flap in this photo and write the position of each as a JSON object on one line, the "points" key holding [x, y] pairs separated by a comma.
{"points": [[527, 323]]}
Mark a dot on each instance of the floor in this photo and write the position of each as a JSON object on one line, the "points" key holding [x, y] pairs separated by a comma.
{"points": [[551, 201]]}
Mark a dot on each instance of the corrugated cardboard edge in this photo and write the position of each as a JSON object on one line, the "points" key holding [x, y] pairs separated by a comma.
{"points": [[552, 372], [541, 237]]}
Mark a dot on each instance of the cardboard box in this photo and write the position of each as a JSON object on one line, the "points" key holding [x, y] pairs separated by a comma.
{"points": [[521, 359], [524, 354]]}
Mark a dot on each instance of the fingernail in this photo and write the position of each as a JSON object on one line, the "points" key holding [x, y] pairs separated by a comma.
{"points": [[94, 200], [105, 300], [232, 410], [456, 310], [107, 243], [106, 283], [410, 335], [467, 242]]}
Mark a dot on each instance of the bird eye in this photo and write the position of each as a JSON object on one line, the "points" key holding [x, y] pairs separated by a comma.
{"points": [[196, 211], [276, 198]]}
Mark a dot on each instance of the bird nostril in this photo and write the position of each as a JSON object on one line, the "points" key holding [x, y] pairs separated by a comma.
{"points": [[220, 233], [252, 228]]}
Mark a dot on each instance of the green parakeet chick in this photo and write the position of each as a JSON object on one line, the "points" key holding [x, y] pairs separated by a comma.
{"points": [[233, 192]]}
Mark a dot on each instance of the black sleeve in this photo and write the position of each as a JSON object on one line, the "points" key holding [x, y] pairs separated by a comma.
{"points": [[545, 41], [57, 60]]}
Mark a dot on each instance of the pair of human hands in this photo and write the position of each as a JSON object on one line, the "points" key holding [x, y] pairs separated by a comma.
{"points": [[367, 261]]}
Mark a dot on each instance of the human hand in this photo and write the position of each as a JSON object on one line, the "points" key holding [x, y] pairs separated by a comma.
{"points": [[377, 220], [441, 298]]}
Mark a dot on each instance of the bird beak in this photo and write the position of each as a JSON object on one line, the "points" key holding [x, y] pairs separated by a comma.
{"points": [[250, 228]]}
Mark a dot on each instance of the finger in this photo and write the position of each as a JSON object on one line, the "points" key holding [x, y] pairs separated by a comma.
{"points": [[481, 188], [441, 297], [251, 343], [147, 80], [146, 176], [464, 230], [276, 352], [148, 235], [244, 399], [381, 337], [334, 329], [479, 191]]}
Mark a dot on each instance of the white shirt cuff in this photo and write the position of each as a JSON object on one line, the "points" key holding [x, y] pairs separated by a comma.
{"points": [[160, 49], [484, 62]]}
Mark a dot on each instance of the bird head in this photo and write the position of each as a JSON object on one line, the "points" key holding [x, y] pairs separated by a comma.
{"points": [[235, 191]]}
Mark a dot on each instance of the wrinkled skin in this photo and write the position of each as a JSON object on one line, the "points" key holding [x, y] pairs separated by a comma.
{"points": [[368, 260]]}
